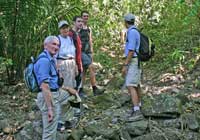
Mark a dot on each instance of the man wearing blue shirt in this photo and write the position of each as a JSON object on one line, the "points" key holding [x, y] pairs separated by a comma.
{"points": [[130, 69], [50, 98]]}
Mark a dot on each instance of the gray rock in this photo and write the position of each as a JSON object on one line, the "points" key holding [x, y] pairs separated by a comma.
{"points": [[161, 135], [137, 128], [123, 99], [62, 135], [101, 129], [3, 124], [161, 106], [77, 134], [29, 133], [175, 123], [190, 121], [191, 135], [124, 135]]}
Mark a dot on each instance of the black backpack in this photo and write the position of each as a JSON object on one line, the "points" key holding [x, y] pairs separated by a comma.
{"points": [[146, 49]]}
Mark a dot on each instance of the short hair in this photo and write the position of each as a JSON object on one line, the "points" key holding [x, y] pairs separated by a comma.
{"points": [[82, 12], [130, 22], [50, 38], [76, 17]]}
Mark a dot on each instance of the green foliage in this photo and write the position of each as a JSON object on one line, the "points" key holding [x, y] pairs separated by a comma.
{"points": [[5, 63], [173, 26], [24, 25]]}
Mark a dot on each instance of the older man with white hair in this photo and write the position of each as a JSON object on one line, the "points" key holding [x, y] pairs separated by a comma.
{"points": [[50, 97]]}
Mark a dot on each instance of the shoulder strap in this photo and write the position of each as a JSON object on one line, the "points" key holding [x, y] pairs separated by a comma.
{"points": [[41, 56], [44, 56], [59, 40]]}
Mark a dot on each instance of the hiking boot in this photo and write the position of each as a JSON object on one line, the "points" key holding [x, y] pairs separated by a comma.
{"points": [[135, 116], [97, 91]]}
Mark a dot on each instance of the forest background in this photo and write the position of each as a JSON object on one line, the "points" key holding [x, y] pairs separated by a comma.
{"points": [[173, 25]]}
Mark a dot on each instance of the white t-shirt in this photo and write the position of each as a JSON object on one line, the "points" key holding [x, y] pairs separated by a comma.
{"points": [[67, 48]]}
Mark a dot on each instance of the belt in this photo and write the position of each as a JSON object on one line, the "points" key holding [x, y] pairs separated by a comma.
{"points": [[134, 57], [54, 90], [67, 58]]}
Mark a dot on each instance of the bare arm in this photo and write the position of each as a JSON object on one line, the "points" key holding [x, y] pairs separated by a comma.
{"points": [[91, 42], [129, 57], [70, 90], [127, 61]]}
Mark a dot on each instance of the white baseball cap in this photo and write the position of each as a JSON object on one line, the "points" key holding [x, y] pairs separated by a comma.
{"points": [[61, 23]]}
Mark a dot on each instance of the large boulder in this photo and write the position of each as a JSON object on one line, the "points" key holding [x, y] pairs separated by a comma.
{"points": [[165, 134], [190, 121], [102, 129], [137, 128], [161, 105]]}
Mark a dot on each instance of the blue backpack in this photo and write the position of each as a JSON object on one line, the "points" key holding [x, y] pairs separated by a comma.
{"points": [[30, 77]]}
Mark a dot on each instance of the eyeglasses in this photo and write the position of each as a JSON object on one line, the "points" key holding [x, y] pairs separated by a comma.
{"points": [[79, 21]]}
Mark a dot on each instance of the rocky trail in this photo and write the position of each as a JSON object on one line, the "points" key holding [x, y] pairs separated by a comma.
{"points": [[170, 105]]}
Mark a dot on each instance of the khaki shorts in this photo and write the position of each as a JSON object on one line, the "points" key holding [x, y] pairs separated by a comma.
{"points": [[133, 76], [69, 71]]}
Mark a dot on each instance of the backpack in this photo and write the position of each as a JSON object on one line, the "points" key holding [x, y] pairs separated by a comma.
{"points": [[30, 77], [146, 48]]}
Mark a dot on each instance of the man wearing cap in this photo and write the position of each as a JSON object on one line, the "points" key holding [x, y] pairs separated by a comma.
{"points": [[51, 96], [130, 69], [66, 56]]}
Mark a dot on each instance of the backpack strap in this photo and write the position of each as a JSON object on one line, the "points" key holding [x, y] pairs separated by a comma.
{"points": [[44, 56]]}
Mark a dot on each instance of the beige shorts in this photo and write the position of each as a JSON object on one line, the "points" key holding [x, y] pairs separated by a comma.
{"points": [[133, 76], [69, 71]]}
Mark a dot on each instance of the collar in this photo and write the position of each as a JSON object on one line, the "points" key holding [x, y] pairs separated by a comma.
{"points": [[48, 55], [132, 26]]}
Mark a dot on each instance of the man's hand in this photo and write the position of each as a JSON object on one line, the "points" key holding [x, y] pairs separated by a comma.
{"points": [[124, 70], [70, 90], [50, 115]]}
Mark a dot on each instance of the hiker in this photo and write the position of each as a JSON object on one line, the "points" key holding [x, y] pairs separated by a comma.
{"points": [[74, 34], [87, 54], [51, 96], [66, 57], [130, 69]]}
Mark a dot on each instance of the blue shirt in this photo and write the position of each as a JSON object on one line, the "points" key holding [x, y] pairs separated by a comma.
{"points": [[132, 41], [45, 71]]}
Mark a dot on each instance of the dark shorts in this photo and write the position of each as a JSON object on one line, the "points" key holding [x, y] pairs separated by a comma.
{"points": [[86, 59]]}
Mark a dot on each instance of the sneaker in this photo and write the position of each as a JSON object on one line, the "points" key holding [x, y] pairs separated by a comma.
{"points": [[60, 127], [135, 116], [97, 91]]}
